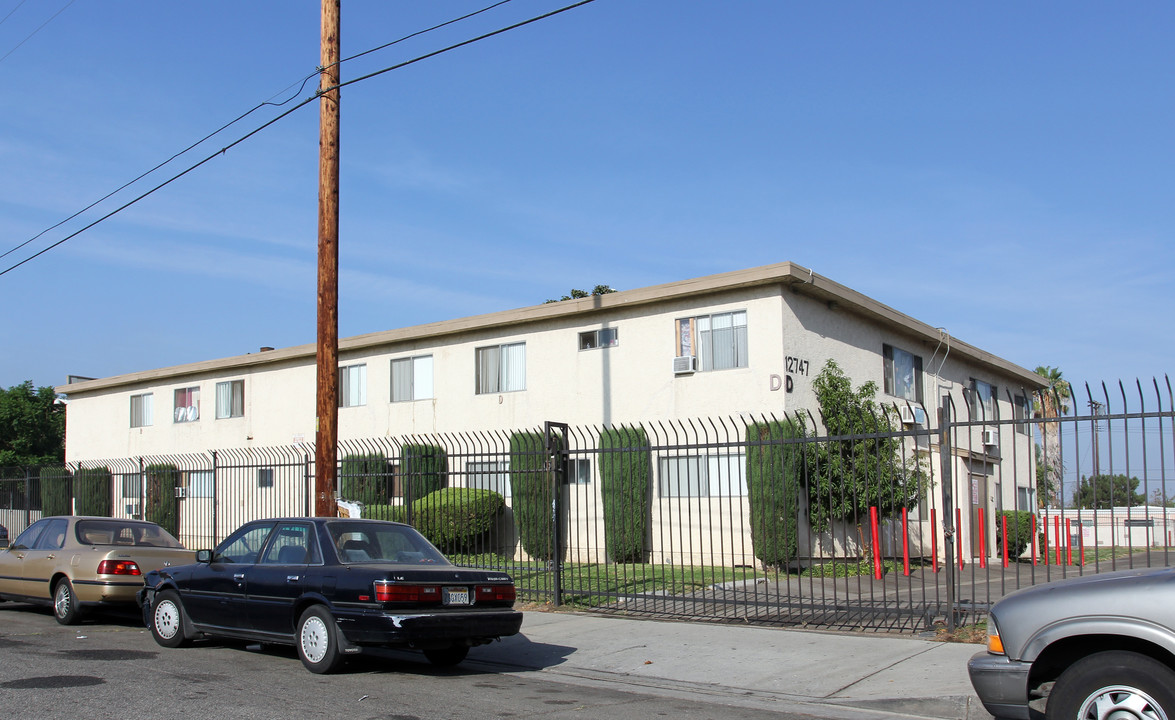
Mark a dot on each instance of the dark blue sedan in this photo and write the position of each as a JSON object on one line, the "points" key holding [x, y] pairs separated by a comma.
{"points": [[331, 587]]}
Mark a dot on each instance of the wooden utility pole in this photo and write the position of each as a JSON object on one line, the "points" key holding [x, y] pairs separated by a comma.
{"points": [[327, 404]]}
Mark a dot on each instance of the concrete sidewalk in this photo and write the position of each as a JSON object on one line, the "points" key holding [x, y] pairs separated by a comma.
{"points": [[828, 675]]}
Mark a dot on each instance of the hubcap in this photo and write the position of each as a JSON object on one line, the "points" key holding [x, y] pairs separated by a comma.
{"points": [[314, 639], [61, 601], [167, 621], [1120, 702]]}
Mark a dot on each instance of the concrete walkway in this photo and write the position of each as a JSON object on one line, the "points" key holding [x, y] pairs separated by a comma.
{"points": [[823, 674]]}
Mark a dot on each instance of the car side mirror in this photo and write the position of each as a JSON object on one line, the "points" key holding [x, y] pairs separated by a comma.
{"points": [[203, 556]]}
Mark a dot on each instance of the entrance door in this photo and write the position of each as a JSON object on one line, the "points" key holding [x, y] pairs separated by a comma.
{"points": [[980, 532]]}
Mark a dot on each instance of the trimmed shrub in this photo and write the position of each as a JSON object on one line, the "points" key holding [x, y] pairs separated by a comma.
{"points": [[423, 469], [55, 491], [457, 519], [531, 494], [1019, 531], [93, 490], [395, 513], [625, 473], [365, 479], [773, 484], [162, 505]]}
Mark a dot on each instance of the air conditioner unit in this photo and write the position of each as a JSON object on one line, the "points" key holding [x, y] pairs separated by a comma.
{"points": [[134, 509], [685, 364], [991, 438], [912, 415], [181, 492]]}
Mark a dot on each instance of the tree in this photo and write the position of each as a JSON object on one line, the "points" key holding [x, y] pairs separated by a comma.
{"points": [[860, 468], [1102, 492], [1052, 402], [32, 426], [577, 294]]}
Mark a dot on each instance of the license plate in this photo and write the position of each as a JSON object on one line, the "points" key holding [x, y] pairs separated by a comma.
{"points": [[455, 596]]}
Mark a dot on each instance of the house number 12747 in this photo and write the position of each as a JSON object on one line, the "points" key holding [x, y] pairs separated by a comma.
{"points": [[796, 365]]}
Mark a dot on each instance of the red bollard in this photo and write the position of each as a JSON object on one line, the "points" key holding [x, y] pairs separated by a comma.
{"points": [[1004, 518], [958, 528], [982, 538], [933, 541], [1057, 537], [906, 541], [1068, 541], [876, 544], [1032, 519]]}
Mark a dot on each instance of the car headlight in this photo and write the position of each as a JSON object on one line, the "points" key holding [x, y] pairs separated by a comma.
{"points": [[994, 644]]}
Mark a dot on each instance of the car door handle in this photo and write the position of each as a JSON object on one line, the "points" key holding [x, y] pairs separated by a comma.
{"points": [[292, 578], [239, 577]]}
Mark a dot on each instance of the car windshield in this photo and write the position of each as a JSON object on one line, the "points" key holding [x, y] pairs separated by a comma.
{"points": [[380, 542], [116, 532]]}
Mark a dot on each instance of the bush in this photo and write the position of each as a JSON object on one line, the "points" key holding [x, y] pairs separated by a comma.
{"points": [[395, 513], [773, 484], [531, 494], [55, 491], [423, 469], [162, 505], [1019, 531], [625, 469], [365, 479], [93, 490], [457, 519]]}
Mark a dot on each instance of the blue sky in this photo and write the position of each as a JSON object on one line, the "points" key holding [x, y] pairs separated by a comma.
{"points": [[1003, 170]]}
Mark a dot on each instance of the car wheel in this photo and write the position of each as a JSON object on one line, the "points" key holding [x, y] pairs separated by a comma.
{"points": [[65, 603], [447, 657], [167, 620], [1116, 684], [318, 645]]}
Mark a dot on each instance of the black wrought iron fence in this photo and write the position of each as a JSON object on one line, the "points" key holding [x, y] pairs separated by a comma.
{"points": [[898, 518]]}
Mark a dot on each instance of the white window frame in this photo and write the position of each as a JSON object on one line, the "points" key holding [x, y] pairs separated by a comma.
{"points": [[201, 484], [702, 336], [984, 401], [1021, 411], [189, 411], [416, 373], [599, 339], [488, 476], [907, 385], [230, 399], [707, 476], [500, 368], [142, 410], [353, 385]]}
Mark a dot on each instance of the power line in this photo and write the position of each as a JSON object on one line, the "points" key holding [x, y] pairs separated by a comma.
{"points": [[229, 124], [30, 35], [283, 115]]}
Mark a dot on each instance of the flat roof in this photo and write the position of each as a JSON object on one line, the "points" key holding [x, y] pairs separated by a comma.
{"points": [[796, 278]]}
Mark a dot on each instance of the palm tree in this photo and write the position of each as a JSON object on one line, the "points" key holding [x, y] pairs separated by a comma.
{"points": [[1051, 402]]}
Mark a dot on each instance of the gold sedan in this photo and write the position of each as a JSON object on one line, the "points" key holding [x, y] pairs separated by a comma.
{"points": [[78, 563]]}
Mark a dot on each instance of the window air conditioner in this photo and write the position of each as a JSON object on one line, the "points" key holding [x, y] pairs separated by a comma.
{"points": [[912, 415], [991, 438], [685, 364], [134, 509]]}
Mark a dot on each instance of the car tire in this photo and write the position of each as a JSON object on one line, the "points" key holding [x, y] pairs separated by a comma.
{"points": [[317, 640], [447, 657], [168, 622], [65, 603], [1140, 683]]}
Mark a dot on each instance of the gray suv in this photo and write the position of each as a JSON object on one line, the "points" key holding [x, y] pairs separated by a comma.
{"points": [[1097, 647]]}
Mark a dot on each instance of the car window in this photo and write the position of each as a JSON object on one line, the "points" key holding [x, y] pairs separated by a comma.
{"points": [[243, 545], [118, 532], [54, 535], [379, 542], [26, 539], [292, 544]]}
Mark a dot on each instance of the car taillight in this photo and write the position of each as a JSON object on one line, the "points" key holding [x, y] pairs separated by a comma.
{"points": [[395, 592], [119, 567], [495, 593]]}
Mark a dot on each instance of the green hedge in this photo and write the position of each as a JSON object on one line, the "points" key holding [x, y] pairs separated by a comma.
{"points": [[531, 498], [93, 490], [365, 478], [625, 470], [423, 469], [1019, 531], [773, 483], [55, 491], [458, 519], [162, 506]]}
